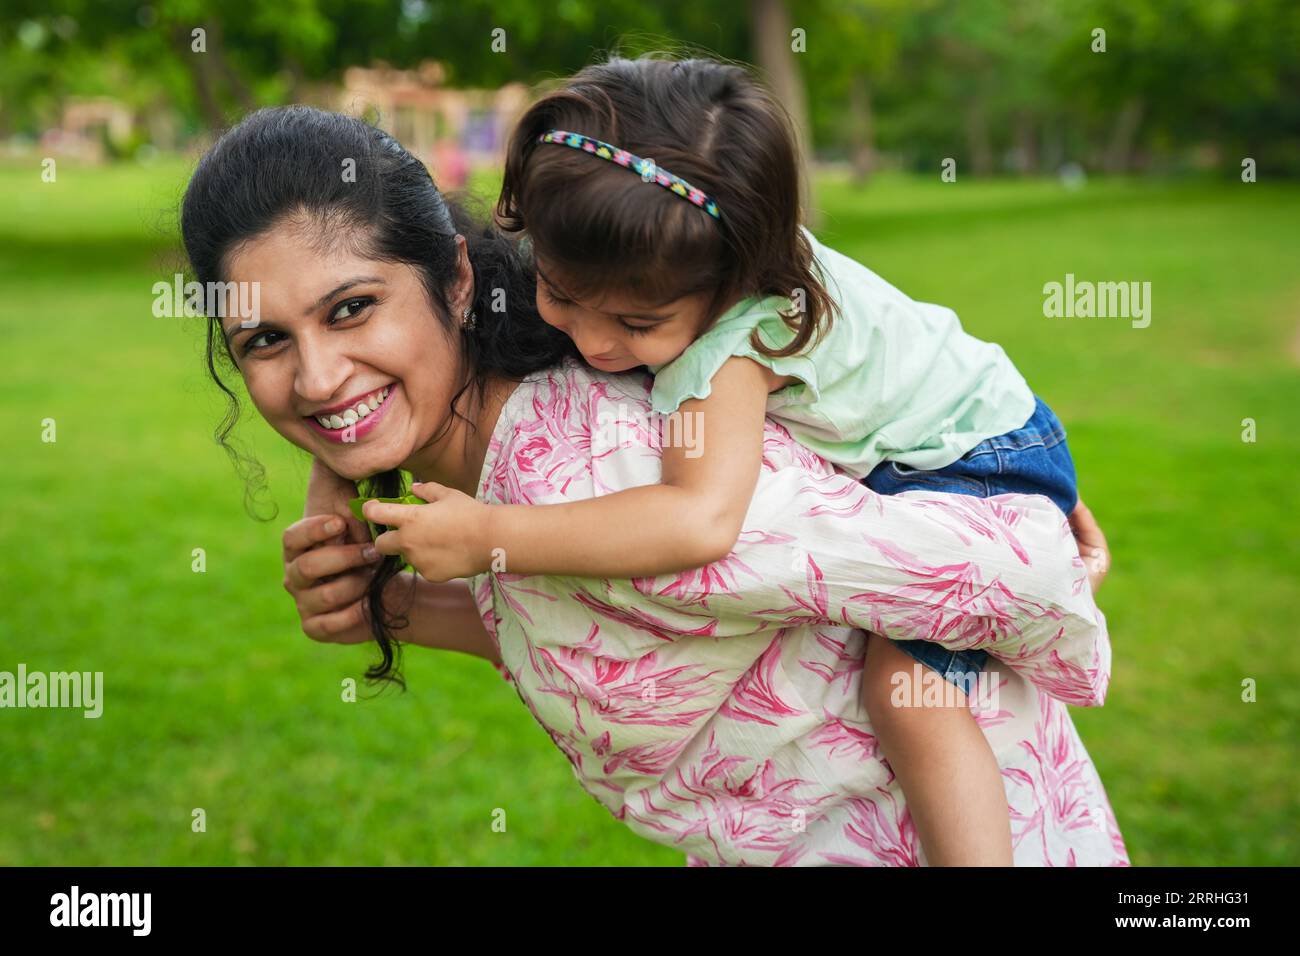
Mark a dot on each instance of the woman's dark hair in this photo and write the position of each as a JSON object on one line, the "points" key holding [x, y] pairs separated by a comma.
{"points": [[597, 228], [349, 178]]}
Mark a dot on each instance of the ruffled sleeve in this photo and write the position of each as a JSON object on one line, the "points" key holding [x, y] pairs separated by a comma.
{"points": [[690, 375]]}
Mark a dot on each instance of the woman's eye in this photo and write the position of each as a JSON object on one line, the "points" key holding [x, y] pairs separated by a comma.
{"points": [[352, 306], [555, 299], [636, 329], [345, 310], [250, 345]]}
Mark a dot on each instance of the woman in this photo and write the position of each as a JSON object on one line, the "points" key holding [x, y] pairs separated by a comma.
{"points": [[715, 710]]}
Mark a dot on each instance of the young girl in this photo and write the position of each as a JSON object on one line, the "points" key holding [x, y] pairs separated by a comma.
{"points": [[661, 201]]}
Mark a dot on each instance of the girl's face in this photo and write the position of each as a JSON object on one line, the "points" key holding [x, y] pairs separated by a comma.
{"points": [[338, 332], [615, 333]]}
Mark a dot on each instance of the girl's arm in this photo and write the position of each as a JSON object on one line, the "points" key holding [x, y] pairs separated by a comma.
{"points": [[712, 453]]}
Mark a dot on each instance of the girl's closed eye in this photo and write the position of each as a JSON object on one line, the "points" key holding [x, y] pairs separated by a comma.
{"points": [[355, 306], [557, 300], [635, 329], [554, 299], [562, 302]]}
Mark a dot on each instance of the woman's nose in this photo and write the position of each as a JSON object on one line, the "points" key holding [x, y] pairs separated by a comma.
{"points": [[322, 370]]}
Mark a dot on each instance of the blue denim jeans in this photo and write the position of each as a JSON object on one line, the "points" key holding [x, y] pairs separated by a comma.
{"points": [[1032, 460]]}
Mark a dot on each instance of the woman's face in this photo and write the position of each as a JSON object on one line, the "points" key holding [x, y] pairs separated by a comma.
{"points": [[339, 331]]}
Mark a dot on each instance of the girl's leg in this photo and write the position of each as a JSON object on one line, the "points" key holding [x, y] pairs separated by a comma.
{"points": [[942, 760]]}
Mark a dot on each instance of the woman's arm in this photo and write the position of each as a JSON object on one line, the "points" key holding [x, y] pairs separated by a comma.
{"points": [[711, 457], [442, 616], [329, 493]]}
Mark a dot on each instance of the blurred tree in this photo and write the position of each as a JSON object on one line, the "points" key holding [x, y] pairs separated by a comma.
{"points": [[774, 51], [1229, 73], [998, 84], [853, 50]]}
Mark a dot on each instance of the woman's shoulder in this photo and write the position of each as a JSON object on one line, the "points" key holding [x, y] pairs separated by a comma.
{"points": [[572, 391], [572, 429], [546, 427]]}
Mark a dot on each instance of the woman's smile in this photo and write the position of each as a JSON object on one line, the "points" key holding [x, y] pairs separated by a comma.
{"points": [[355, 420]]}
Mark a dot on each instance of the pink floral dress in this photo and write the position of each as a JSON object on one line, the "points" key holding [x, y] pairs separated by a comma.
{"points": [[717, 710]]}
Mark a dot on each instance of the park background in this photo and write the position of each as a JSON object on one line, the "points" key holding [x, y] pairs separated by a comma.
{"points": [[1169, 155]]}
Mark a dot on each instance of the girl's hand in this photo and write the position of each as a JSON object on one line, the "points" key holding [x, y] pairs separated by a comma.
{"points": [[444, 539], [1092, 544], [327, 579]]}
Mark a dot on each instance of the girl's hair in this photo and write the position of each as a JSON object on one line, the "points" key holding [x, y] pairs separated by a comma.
{"points": [[291, 164], [596, 227]]}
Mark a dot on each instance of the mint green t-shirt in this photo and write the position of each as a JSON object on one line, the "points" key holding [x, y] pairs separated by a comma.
{"points": [[892, 379]]}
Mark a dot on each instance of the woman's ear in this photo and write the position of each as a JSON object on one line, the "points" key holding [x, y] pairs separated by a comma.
{"points": [[464, 297]]}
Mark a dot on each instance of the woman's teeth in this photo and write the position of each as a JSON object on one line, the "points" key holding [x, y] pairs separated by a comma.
{"points": [[350, 416]]}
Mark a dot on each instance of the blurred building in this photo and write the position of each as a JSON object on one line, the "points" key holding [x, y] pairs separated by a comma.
{"points": [[451, 130], [88, 126]]}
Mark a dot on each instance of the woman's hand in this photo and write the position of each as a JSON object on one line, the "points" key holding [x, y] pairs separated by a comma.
{"points": [[327, 579], [328, 494], [444, 539], [1092, 544], [326, 570]]}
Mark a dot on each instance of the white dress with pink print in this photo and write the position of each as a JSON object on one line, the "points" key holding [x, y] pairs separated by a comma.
{"points": [[717, 710]]}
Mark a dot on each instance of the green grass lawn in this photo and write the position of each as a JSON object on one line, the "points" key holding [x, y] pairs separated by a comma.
{"points": [[215, 700]]}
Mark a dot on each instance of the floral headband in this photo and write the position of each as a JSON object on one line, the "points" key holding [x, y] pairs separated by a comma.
{"points": [[649, 171]]}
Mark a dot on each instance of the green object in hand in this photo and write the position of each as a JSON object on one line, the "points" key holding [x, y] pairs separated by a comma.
{"points": [[356, 503]]}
